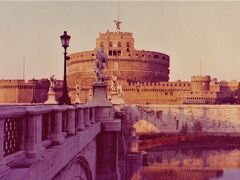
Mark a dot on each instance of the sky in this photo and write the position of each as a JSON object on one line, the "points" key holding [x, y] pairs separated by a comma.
{"points": [[189, 32]]}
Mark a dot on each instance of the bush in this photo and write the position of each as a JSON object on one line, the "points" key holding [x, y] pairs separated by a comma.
{"points": [[197, 127], [184, 129]]}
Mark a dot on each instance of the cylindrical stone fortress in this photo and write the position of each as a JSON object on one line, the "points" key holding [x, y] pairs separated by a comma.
{"points": [[124, 61]]}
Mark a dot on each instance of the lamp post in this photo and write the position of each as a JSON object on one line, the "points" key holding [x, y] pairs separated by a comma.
{"points": [[65, 42]]}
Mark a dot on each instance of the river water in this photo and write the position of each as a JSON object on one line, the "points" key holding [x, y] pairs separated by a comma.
{"points": [[193, 164]]}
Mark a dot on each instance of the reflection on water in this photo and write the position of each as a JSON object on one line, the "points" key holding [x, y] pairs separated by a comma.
{"points": [[197, 164]]}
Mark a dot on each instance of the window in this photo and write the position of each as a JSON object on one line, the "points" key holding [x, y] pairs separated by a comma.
{"points": [[110, 53], [127, 49], [114, 53], [155, 56], [119, 44], [128, 44], [110, 44]]}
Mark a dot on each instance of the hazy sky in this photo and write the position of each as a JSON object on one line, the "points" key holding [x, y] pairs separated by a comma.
{"points": [[189, 32]]}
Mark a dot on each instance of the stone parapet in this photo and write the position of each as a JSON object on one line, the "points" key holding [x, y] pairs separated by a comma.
{"points": [[54, 159], [28, 129], [114, 125]]}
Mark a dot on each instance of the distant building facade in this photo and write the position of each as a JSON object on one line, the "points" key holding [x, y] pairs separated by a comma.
{"points": [[32, 91], [200, 90]]}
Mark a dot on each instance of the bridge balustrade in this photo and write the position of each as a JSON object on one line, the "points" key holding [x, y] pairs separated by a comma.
{"points": [[29, 129], [13, 134]]}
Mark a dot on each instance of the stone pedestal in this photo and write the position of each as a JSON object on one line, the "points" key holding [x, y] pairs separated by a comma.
{"points": [[103, 107], [116, 99], [100, 94], [51, 98], [77, 100], [107, 140]]}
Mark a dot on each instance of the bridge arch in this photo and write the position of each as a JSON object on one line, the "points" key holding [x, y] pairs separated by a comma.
{"points": [[143, 119], [143, 126], [77, 169]]}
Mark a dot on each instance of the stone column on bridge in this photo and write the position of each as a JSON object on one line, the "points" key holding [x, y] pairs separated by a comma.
{"points": [[86, 116], [71, 120], [107, 140], [33, 143], [57, 134], [80, 118], [92, 115]]}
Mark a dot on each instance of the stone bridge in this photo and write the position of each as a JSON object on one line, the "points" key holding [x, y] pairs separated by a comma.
{"points": [[62, 142], [92, 141], [58, 142], [172, 118]]}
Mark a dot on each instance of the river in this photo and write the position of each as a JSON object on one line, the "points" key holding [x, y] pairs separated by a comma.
{"points": [[192, 164]]}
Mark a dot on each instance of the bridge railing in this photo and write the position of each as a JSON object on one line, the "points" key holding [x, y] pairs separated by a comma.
{"points": [[29, 129]]}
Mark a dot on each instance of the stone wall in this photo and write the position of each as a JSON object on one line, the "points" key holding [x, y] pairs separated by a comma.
{"points": [[171, 118]]}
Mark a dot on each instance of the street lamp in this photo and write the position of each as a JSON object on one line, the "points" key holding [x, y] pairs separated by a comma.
{"points": [[65, 42]]}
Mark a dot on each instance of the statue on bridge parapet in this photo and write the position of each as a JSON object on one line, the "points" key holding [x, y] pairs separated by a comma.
{"points": [[77, 99], [116, 94], [52, 83], [116, 87], [100, 64], [99, 88], [51, 94]]}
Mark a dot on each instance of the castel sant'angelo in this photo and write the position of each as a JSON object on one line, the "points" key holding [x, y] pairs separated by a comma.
{"points": [[143, 76]]}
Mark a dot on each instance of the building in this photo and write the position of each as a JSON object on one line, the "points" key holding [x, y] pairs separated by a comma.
{"points": [[144, 75], [32, 91]]}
